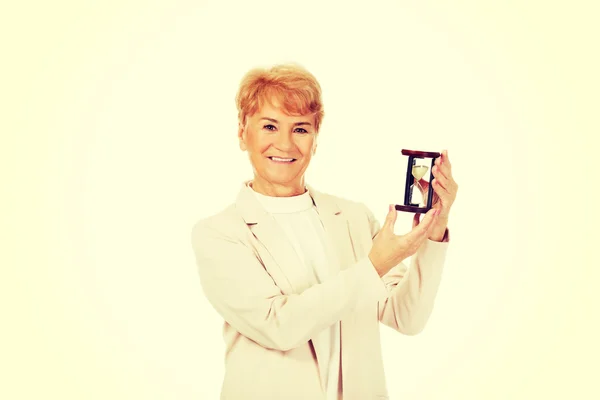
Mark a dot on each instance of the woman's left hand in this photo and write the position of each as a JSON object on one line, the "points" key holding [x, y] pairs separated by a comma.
{"points": [[445, 189]]}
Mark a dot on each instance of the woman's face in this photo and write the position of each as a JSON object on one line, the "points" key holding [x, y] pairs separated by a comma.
{"points": [[280, 148]]}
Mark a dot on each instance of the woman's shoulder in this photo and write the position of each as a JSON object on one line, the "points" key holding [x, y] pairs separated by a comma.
{"points": [[225, 223]]}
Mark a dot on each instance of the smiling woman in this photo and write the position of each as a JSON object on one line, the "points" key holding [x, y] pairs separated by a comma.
{"points": [[302, 278], [279, 117]]}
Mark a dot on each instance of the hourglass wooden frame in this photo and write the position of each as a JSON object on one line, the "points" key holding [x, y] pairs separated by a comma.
{"points": [[410, 180]]}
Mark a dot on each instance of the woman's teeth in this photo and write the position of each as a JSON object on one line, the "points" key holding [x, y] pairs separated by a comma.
{"points": [[282, 159]]}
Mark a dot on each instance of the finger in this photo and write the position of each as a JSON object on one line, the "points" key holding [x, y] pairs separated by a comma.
{"points": [[441, 178], [448, 183], [390, 218], [446, 159], [441, 186], [416, 220], [423, 227], [443, 169], [441, 172]]}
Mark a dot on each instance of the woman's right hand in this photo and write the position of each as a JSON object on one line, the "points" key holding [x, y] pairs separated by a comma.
{"points": [[390, 249]]}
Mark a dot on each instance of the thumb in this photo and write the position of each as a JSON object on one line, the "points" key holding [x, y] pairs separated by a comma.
{"points": [[390, 218]]}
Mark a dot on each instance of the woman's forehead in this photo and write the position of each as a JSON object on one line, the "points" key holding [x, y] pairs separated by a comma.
{"points": [[275, 111]]}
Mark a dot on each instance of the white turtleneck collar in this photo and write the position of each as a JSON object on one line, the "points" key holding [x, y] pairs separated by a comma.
{"points": [[283, 205]]}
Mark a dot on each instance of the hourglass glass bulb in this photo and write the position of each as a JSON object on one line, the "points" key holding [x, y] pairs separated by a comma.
{"points": [[419, 171]]}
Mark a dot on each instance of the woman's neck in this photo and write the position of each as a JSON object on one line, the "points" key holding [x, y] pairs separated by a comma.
{"points": [[275, 190]]}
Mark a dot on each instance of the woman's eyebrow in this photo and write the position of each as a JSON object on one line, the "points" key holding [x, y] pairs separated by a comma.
{"points": [[296, 124]]}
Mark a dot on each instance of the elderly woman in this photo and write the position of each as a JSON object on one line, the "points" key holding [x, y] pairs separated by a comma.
{"points": [[303, 278]]}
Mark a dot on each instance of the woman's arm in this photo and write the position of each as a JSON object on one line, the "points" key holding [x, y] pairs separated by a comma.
{"points": [[412, 290], [244, 294]]}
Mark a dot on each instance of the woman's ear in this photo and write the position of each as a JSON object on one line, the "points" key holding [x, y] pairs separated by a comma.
{"points": [[242, 136], [314, 147]]}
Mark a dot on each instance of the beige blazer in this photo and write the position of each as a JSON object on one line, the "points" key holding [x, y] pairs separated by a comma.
{"points": [[269, 321]]}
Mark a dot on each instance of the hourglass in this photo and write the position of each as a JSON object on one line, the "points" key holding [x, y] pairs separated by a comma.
{"points": [[417, 196]]}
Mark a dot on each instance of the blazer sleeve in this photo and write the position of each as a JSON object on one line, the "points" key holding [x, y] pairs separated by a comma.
{"points": [[241, 290], [412, 289]]}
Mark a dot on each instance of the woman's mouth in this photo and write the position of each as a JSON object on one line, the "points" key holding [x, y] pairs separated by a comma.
{"points": [[282, 160]]}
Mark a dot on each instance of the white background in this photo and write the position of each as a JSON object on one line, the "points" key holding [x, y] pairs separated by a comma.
{"points": [[120, 131]]}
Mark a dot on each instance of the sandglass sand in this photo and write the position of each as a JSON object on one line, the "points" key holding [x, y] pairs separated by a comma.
{"points": [[418, 191]]}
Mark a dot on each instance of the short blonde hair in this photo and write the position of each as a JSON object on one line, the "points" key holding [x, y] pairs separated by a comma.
{"points": [[294, 88]]}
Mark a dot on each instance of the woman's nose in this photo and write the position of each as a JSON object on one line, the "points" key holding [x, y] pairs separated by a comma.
{"points": [[283, 141]]}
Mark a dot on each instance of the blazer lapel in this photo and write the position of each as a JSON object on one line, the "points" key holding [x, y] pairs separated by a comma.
{"points": [[337, 230], [276, 251]]}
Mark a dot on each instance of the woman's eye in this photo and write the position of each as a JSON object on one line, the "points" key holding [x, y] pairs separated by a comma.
{"points": [[302, 130], [270, 127]]}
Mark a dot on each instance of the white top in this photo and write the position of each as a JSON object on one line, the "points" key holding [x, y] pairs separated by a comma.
{"points": [[299, 219]]}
